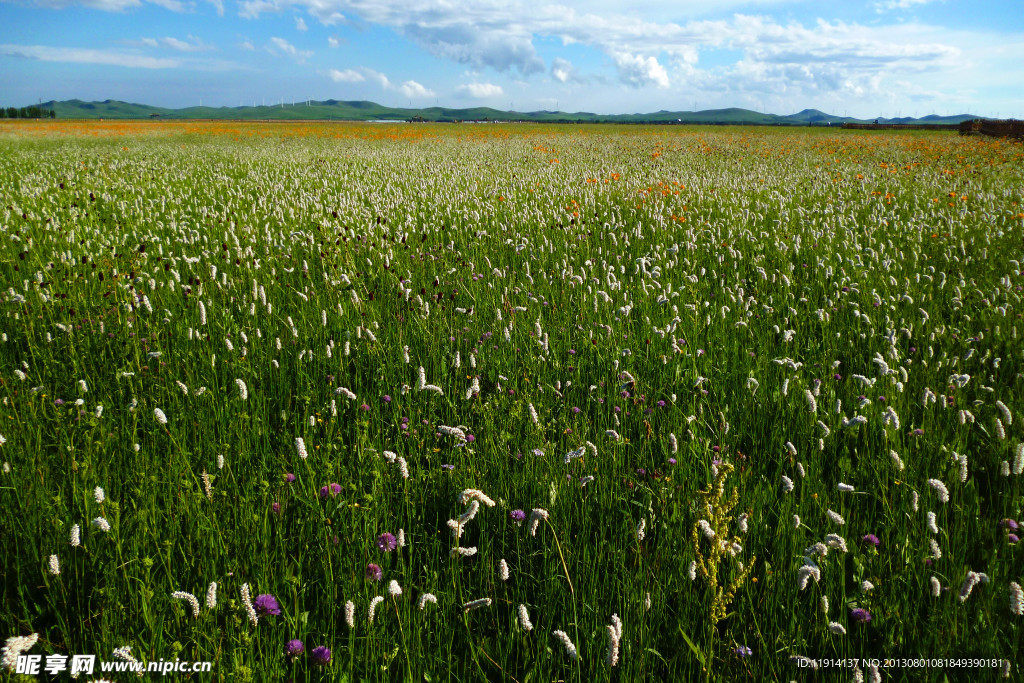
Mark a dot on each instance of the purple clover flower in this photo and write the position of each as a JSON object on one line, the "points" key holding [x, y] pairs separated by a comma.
{"points": [[266, 605], [289, 477], [387, 542], [321, 656], [293, 648], [870, 539], [860, 615], [517, 516], [374, 572]]}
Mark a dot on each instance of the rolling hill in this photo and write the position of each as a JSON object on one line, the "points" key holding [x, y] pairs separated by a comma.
{"points": [[361, 110]]}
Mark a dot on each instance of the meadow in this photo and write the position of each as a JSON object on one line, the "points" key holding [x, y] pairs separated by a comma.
{"points": [[340, 402]]}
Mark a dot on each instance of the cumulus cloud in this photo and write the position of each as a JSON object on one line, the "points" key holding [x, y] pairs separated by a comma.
{"points": [[639, 71], [300, 24], [412, 89], [346, 76], [289, 49], [479, 91], [333, 41], [563, 71], [361, 74]]}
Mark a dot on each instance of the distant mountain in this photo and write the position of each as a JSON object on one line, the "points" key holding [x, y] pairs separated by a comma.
{"points": [[361, 110]]}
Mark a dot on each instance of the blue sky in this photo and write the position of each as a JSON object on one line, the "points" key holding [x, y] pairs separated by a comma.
{"points": [[867, 59]]}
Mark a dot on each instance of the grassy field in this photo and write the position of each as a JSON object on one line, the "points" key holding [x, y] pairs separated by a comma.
{"points": [[512, 403]]}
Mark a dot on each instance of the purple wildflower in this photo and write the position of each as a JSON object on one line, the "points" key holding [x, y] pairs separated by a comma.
{"points": [[743, 651], [387, 542], [266, 605], [321, 656], [374, 572], [1010, 524], [671, 461], [1013, 539], [661, 404], [364, 408], [470, 438], [289, 478], [276, 507], [860, 615], [446, 466], [870, 539], [294, 648], [517, 516]]}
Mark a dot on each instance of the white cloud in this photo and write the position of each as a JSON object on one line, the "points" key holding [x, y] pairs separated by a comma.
{"points": [[102, 5], [172, 5], [333, 42], [639, 71], [479, 91], [246, 45], [196, 45], [300, 24], [47, 53], [360, 74], [563, 71], [381, 79], [412, 89], [346, 76], [888, 5], [290, 50], [149, 42], [218, 5]]}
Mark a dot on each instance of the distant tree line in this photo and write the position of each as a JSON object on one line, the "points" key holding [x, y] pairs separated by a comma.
{"points": [[32, 112]]}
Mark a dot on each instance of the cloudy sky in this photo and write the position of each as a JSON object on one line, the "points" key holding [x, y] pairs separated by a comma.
{"points": [[879, 58]]}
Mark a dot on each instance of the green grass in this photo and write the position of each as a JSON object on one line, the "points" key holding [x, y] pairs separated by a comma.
{"points": [[693, 260]]}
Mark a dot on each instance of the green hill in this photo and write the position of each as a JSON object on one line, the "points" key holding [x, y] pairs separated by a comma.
{"points": [[362, 110]]}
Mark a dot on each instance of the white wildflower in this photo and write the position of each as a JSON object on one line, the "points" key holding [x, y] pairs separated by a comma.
{"points": [[190, 599], [371, 613], [211, 595], [570, 649], [524, 619]]}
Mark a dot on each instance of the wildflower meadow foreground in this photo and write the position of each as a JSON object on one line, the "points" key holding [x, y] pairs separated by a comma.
{"points": [[332, 402]]}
